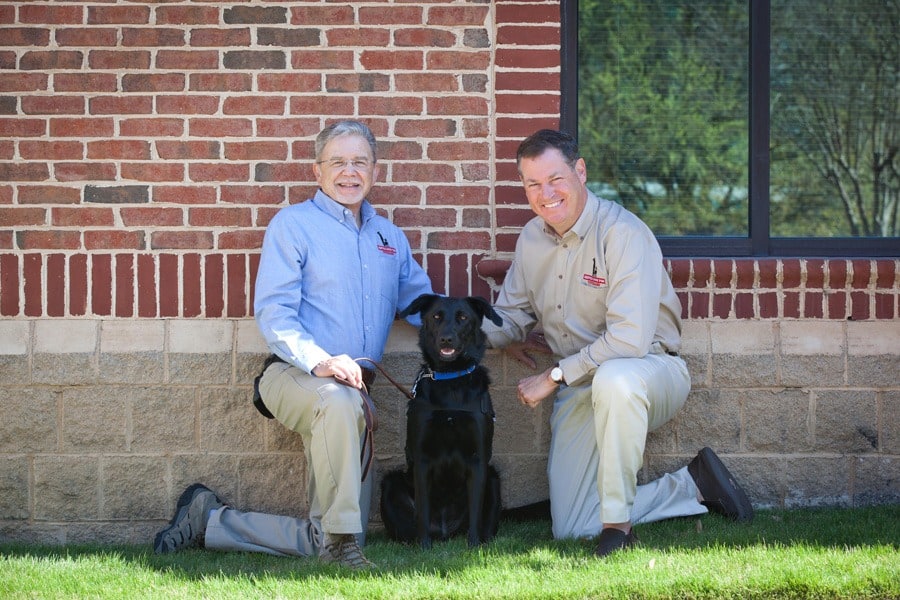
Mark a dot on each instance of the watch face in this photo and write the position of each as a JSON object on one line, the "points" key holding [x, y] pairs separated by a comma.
{"points": [[556, 374]]}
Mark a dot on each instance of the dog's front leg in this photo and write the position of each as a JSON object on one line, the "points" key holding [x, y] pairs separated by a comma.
{"points": [[423, 504], [477, 483]]}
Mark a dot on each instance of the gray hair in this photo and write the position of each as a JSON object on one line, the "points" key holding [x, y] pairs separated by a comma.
{"points": [[340, 128]]}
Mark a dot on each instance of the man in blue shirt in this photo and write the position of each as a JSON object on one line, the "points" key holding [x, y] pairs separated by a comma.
{"points": [[332, 276]]}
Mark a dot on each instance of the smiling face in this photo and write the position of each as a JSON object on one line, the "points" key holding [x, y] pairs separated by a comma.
{"points": [[346, 170], [450, 336], [556, 190]]}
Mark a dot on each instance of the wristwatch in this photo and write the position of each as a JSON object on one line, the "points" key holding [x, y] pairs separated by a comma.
{"points": [[556, 374]]}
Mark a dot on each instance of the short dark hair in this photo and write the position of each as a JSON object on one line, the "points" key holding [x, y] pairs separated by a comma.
{"points": [[540, 141]]}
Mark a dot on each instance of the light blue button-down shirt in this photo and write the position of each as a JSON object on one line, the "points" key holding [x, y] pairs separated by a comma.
{"points": [[325, 287]]}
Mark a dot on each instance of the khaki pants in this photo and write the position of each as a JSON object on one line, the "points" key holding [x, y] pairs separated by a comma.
{"points": [[599, 431], [330, 420]]}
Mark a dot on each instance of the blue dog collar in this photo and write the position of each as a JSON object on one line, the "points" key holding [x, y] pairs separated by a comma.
{"points": [[452, 374], [427, 373]]}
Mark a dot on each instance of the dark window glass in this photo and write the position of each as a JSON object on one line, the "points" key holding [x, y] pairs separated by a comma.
{"points": [[835, 131], [741, 127], [662, 111]]}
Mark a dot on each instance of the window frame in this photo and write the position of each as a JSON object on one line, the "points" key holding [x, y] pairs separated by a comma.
{"points": [[759, 241]]}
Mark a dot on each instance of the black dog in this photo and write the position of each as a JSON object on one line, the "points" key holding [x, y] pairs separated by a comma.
{"points": [[449, 485]]}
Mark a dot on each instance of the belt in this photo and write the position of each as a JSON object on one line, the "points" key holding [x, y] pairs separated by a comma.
{"points": [[658, 348]]}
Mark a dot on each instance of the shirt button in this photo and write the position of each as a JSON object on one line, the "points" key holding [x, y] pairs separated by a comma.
{"points": [[559, 306], [559, 276]]}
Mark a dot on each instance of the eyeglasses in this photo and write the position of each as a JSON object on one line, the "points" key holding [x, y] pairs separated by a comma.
{"points": [[339, 164]]}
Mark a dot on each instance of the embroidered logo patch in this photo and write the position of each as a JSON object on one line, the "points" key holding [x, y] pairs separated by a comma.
{"points": [[385, 247], [592, 280]]}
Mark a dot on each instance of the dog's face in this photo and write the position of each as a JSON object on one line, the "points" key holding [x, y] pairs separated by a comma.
{"points": [[451, 329]]}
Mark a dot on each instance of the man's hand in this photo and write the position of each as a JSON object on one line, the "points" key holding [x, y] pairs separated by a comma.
{"points": [[534, 389], [521, 351], [341, 367]]}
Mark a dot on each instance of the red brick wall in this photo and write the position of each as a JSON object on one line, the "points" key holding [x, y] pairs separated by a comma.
{"points": [[145, 146]]}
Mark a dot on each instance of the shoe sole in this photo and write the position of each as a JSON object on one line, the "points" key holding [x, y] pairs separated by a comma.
{"points": [[187, 496], [743, 508]]}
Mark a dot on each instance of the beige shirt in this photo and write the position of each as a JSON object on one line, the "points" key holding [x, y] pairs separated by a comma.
{"points": [[599, 292]]}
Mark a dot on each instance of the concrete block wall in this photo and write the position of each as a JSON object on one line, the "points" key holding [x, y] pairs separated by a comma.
{"points": [[104, 422]]}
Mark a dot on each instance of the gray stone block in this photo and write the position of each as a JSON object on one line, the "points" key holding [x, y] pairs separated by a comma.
{"points": [[517, 427], [14, 501], [94, 419], [874, 371], [523, 479], [817, 371], [66, 488], [132, 486], [64, 369], [876, 481], [14, 370], [24, 532], [663, 439], [743, 370], [890, 422], [815, 481], [162, 418], [134, 368], [777, 421], [29, 420], [846, 421], [710, 418], [274, 483], [219, 472], [196, 369], [229, 422]]}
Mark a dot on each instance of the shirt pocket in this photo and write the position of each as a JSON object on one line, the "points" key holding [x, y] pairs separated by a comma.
{"points": [[589, 295]]}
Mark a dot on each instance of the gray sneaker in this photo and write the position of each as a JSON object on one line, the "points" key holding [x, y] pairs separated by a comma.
{"points": [[188, 526], [344, 550]]}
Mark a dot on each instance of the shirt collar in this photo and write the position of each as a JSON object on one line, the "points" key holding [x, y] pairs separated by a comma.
{"points": [[339, 211], [583, 225]]}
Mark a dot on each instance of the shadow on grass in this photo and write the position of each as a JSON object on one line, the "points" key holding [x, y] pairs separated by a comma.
{"points": [[529, 544]]}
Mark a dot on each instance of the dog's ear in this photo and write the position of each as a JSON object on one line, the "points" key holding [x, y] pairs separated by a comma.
{"points": [[484, 308], [418, 305]]}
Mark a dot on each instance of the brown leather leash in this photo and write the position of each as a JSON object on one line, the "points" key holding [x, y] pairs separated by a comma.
{"points": [[409, 395], [368, 406], [372, 418]]}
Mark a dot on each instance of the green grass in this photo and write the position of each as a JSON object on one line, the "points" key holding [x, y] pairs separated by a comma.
{"points": [[811, 553]]}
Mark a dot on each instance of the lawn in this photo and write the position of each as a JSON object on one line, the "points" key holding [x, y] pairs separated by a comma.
{"points": [[809, 553]]}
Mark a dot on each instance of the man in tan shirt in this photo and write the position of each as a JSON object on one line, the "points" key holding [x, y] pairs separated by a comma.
{"points": [[590, 274]]}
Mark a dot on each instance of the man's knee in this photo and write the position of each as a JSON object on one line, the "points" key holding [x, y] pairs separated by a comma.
{"points": [[340, 402], [616, 383]]}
